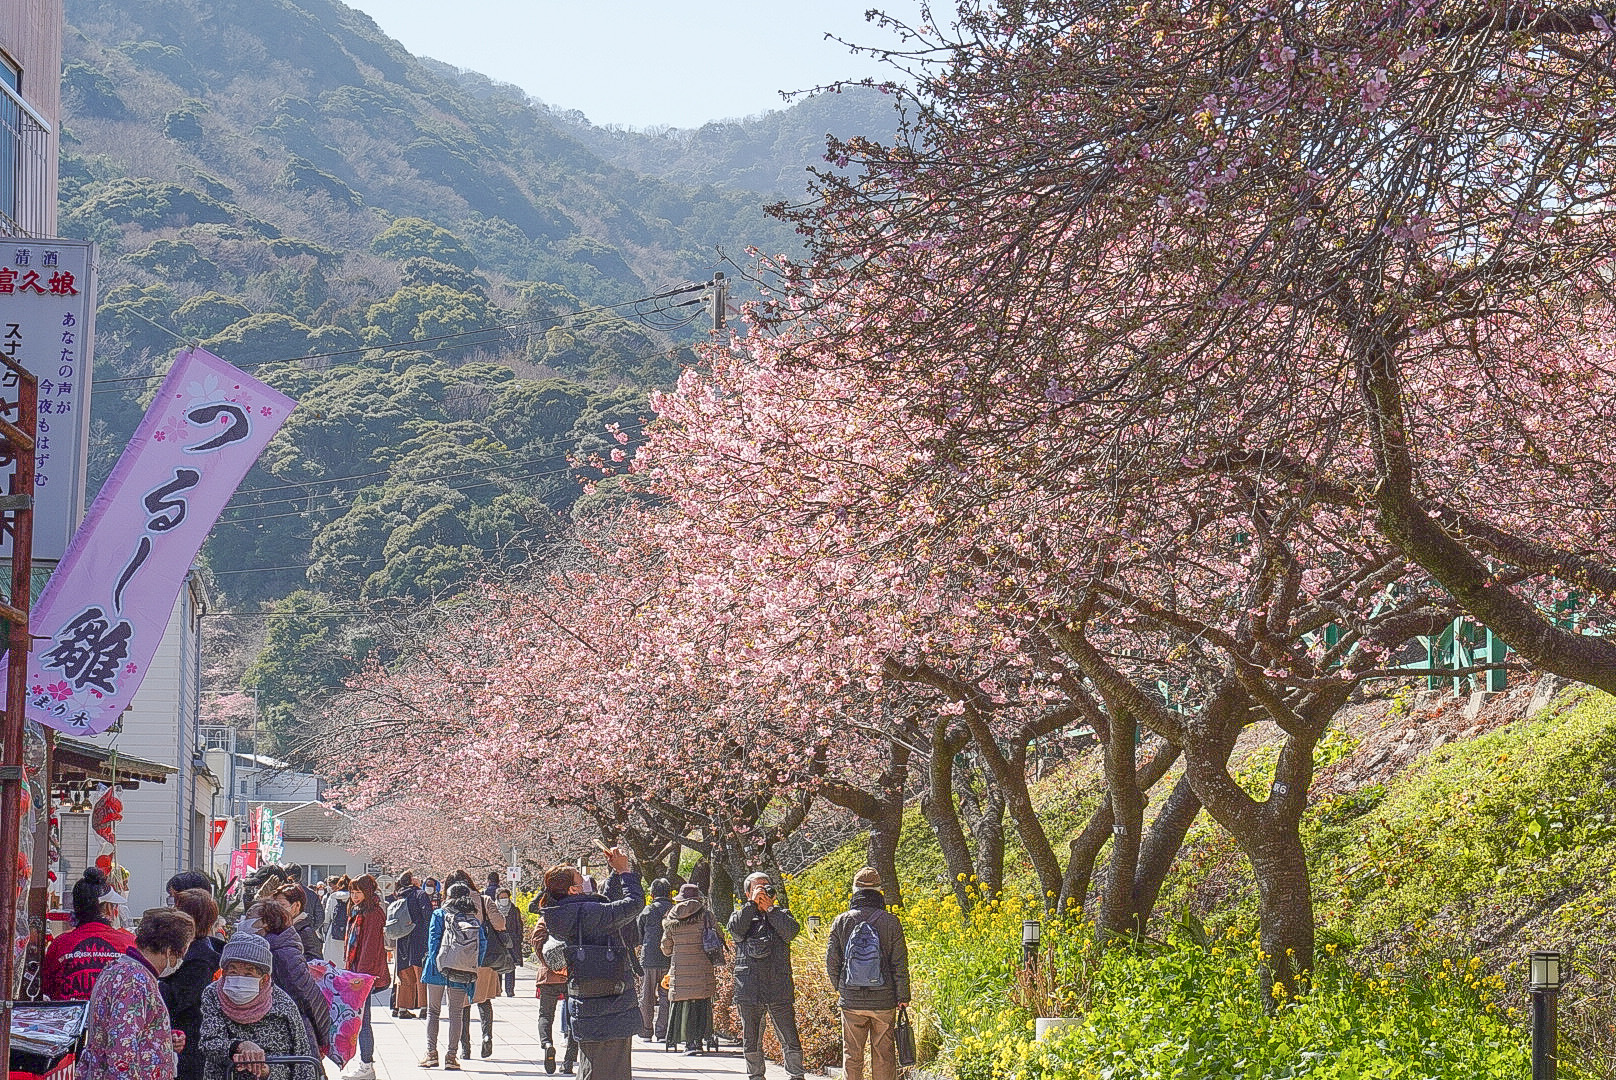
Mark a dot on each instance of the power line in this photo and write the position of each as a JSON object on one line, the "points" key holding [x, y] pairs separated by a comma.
{"points": [[420, 479], [533, 323], [469, 487]]}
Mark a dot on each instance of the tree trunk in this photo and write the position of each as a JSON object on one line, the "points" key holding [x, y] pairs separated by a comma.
{"points": [[721, 897], [885, 832], [1284, 906], [1010, 775], [1117, 915], [882, 811], [937, 806], [988, 828], [1084, 850], [1161, 847], [1268, 832]]}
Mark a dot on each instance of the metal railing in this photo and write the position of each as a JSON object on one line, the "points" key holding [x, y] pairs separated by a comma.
{"points": [[27, 165]]}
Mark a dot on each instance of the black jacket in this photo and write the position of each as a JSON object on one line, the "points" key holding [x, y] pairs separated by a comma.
{"points": [[315, 906], [309, 934], [763, 955], [650, 927], [411, 949], [593, 919], [182, 993], [870, 906]]}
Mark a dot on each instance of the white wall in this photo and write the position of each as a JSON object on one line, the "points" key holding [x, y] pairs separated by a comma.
{"points": [[159, 820], [307, 853]]}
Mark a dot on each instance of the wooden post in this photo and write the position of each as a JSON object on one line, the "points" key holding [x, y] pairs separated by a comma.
{"points": [[17, 522]]}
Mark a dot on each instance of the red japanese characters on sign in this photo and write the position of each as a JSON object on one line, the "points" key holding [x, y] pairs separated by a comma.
{"points": [[60, 283]]}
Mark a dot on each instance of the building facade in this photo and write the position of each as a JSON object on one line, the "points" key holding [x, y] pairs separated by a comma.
{"points": [[30, 115], [166, 828]]}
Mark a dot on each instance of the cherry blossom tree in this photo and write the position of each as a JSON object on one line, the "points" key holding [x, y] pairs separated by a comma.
{"points": [[1363, 246]]}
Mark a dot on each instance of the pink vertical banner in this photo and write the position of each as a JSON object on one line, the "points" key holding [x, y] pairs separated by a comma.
{"points": [[101, 616]]}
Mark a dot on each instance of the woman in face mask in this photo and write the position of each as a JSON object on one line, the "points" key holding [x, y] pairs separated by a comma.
{"points": [[129, 1035], [246, 1016], [182, 988]]}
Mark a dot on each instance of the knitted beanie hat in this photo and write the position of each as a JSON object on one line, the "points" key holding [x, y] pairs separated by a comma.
{"points": [[249, 949]]}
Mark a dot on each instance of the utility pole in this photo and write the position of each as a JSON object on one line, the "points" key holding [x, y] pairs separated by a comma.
{"points": [[720, 300]]}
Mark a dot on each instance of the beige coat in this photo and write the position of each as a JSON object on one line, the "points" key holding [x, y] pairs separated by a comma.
{"points": [[488, 980], [691, 976]]}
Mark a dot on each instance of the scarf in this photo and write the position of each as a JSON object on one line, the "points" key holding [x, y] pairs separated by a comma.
{"points": [[252, 1012]]}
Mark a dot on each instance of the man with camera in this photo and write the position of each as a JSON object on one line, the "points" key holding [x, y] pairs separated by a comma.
{"points": [[762, 930]]}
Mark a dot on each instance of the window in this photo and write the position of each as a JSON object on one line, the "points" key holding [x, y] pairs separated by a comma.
{"points": [[10, 137], [75, 850]]}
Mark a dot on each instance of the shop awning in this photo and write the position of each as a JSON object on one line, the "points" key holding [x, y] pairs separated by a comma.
{"points": [[77, 762]]}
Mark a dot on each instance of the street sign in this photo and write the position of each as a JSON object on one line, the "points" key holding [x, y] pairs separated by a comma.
{"points": [[47, 325]]}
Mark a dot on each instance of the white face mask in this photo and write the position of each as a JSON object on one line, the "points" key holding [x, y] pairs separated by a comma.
{"points": [[170, 969], [240, 989], [248, 925]]}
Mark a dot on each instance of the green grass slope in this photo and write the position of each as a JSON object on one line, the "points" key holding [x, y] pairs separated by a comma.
{"points": [[1433, 882]]}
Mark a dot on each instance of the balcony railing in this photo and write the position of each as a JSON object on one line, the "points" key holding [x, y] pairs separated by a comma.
{"points": [[26, 167]]}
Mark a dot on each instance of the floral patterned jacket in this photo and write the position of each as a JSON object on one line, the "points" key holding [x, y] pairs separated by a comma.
{"points": [[128, 1032]]}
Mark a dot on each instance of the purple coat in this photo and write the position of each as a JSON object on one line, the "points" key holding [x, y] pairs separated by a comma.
{"points": [[291, 973]]}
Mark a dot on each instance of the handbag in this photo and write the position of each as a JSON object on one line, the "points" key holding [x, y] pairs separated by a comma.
{"points": [[711, 943], [486, 988], [496, 953], [904, 1035]]}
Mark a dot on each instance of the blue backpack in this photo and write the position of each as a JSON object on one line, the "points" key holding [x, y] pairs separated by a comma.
{"points": [[861, 960]]}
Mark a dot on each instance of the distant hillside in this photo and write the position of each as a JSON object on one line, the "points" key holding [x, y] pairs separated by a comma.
{"points": [[769, 154], [306, 116]]}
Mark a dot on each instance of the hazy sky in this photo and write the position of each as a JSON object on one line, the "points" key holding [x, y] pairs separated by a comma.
{"points": [[643, 62]]}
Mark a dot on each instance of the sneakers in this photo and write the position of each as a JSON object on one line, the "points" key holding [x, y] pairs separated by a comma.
{"points": [[363, 1070], [451, 1063], [430, 1061], [549, 1059]]}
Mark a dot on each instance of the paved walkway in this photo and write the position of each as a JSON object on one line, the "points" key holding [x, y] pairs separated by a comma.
{"points": [[400, 1045]]}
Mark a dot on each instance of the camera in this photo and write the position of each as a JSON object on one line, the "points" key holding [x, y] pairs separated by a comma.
{"points": [[768, 890]]}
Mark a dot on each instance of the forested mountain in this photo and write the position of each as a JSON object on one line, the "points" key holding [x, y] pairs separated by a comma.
{"points": [[443, 272], [768, 154]]}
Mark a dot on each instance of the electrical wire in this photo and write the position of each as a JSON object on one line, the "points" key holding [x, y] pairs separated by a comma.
{"points": [[424, 479], [534, 323], [326, 509]]}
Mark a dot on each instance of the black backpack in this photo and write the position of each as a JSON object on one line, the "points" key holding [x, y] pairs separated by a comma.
{"points": [[861, 958]]}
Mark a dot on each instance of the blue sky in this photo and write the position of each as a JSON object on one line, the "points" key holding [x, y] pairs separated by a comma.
{"points": [[642, 63]]}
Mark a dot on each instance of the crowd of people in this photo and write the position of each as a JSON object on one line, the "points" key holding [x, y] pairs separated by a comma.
{"points": [[186, 996]]}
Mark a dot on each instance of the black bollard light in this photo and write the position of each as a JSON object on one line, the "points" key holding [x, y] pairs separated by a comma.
{"points": [[1547, 975], [1032, 931]]}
